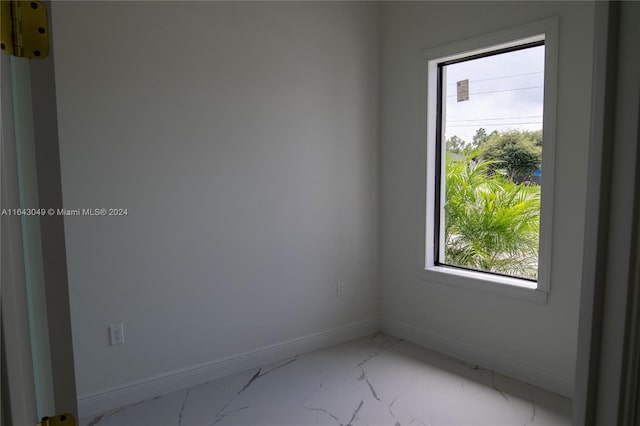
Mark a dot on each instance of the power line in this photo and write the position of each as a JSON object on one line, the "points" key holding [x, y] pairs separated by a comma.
{"points": [[500, 91], [498, 78], [493, 125], [501, 118]]}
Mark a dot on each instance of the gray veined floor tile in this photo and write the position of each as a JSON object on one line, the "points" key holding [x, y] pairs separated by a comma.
{"points": [[379, 380]]}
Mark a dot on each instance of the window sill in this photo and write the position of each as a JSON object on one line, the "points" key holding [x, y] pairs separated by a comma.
{"points": [[504, 286]]}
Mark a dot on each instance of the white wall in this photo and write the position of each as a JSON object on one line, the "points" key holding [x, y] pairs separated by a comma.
{"points": [[534, 342], [243, 140]]}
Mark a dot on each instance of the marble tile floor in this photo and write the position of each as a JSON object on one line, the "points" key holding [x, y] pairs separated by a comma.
{"points": [[378, 380]]}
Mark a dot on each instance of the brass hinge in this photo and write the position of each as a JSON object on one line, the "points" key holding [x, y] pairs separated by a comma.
{"points": [[61, 420], [25, 29]]}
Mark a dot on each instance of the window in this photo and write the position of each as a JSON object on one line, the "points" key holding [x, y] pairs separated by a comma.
{"points": [[489, 174]]}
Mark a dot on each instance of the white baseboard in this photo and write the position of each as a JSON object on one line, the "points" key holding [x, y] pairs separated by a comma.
{"points": [[99, 402], [509, 367]]}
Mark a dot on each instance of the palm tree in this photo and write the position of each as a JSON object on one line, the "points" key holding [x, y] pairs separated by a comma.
{"points": [[491, 224]]}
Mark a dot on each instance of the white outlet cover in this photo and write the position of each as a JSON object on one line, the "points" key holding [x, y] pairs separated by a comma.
{"points": [[116, 334]]}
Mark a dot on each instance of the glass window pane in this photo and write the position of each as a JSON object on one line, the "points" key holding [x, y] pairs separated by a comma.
{"points": [[491, 162]]}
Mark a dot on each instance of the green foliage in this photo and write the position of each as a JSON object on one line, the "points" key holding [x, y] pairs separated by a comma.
{"points": [[491, 224], [456, 145], [534, 136], [518, 153], [481, 137]]}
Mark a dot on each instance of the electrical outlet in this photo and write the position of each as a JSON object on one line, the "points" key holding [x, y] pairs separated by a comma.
{"points": [[340, 288], [116, 334]]}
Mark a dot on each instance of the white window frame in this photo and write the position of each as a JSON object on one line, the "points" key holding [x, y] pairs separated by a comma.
{"points": [[546, 30]]}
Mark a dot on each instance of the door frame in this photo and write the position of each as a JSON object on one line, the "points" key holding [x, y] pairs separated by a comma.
{"points": [[54, 257], [608, 357], [18, 352], [20, 404]]}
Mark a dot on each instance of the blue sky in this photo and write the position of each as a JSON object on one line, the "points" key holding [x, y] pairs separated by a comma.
{"points": [[515, 82]]}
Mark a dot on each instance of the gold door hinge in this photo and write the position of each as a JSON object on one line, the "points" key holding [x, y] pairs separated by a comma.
{"points": [[25, 29], [61, 420]]}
